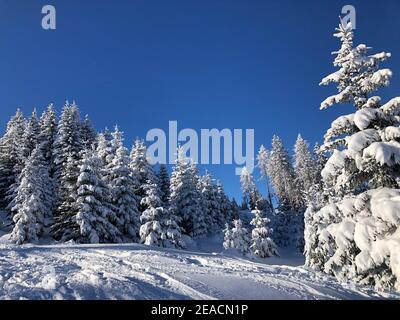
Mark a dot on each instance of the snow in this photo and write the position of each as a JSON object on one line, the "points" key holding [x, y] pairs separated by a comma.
{"points": [[385, 204], [384, 152], [334, 164], [379, 78], [372, 102], [364, 117], [341, 97], [140, 272], [391, 106], [333, 77], [390, 133], [369, 222], [360, 140]]}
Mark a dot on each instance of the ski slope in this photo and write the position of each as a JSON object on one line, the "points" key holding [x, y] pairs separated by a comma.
{"points": [[139, 272]]}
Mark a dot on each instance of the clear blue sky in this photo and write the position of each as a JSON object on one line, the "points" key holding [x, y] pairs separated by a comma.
{"points": [[209, 63]]}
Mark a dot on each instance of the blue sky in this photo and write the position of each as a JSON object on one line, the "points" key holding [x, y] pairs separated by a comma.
{"points": [[207, 64]]}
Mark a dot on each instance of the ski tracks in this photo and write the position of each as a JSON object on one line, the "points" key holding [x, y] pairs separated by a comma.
{"points": [[139, 272]]}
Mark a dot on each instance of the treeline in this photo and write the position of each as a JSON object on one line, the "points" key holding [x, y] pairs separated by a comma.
{"points": [[60, 178]]}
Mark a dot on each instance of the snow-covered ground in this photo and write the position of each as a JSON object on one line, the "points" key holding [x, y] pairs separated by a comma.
{"points": [[140, 272]]}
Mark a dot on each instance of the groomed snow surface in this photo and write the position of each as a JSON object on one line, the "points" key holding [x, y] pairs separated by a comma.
{"points": [[135, 271]]}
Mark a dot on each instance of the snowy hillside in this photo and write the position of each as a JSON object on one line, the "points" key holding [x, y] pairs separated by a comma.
{"points": [[140, 272]]}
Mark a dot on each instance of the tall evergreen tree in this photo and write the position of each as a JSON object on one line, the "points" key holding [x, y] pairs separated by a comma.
{"points": [[353, 140], [287, 219], [11, 156], [262, 164], [159, 224], [31, 135], [226, 210], [67, 153], [64, 219], [47, 136], [142, 171], [210, 202], [90, 222], [29, 143], [104, 146], [185, 197], [122, 185], [305, 169], [349, 236], [165, 184], [33, 199], [88, 134], [68, 142], [248, 185], [93, 215], [281, 174]]}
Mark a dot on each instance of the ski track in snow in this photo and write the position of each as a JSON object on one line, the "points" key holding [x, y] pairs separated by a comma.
{"points": [[139, 272]]}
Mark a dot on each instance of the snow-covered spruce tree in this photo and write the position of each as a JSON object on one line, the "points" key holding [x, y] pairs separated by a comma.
{"points": [[121, 183], [31, 135], [11, 157], [93, 214], [351, 168], [68, 143], [199, 221], [318, 195], [46, 140], [159, 224], [237, 238], [262, 164], [151, 231], [356, 235], [88, 134], [185, 197], [210, 202], [306, 179], [255, 197], [142, 171], [33, 199], [227, 236], [281, 174], [287, 219], [305, 170], [47, 136], [104, 147], [158, 228], [261, 243], [226, 207], [67, 152], [165, 184], [64, 217], [90, 223], [248, 186], [29, 142]]}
